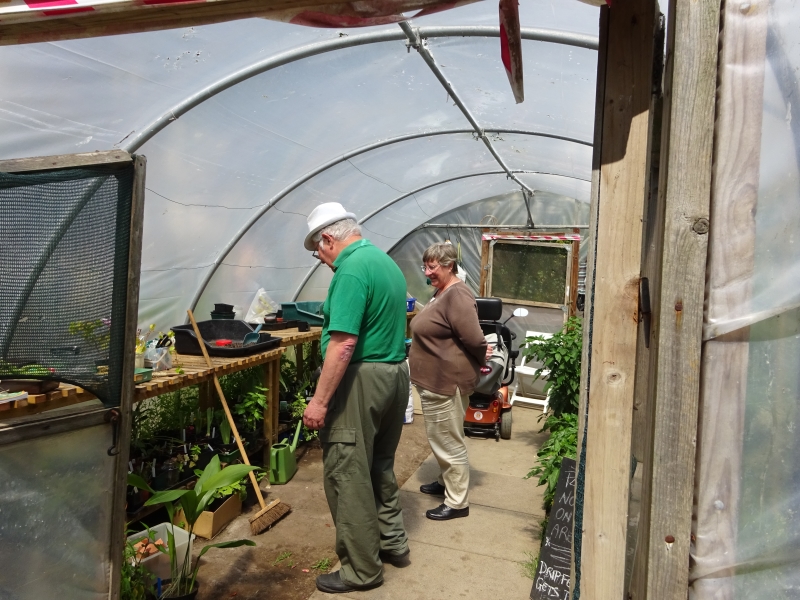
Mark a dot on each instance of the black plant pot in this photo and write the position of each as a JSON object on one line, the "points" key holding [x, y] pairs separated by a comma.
{"points": [[190, 596]]}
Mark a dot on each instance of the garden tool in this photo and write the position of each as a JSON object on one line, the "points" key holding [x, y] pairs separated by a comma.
{"points": [[269, 514], [252, 338], [282, 463]]}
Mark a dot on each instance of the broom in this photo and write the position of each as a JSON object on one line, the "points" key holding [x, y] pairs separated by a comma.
{"points": [[269, 513]]}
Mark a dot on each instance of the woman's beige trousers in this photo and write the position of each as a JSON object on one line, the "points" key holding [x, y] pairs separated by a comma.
{"points": [[444, 424]]}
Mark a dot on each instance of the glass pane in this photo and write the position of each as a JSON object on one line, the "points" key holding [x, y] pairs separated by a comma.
{"points": [[55, 516], [530, 272]]}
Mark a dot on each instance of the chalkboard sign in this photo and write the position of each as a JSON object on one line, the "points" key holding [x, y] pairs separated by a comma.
{"points": [[553, 574]]}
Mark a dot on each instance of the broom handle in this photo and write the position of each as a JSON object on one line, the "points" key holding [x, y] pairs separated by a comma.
{"points": [[226, 409]]}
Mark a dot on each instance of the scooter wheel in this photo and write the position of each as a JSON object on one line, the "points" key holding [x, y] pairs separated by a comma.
{"points": [[505, 425]]}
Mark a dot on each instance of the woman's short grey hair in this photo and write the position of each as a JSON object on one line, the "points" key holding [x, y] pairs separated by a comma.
{"points": [[443, 253], [340, 230]]}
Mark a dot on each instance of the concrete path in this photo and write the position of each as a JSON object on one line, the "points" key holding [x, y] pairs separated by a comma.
{"points": [[479, 556]]}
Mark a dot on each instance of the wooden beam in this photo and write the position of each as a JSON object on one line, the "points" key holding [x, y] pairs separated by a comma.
{"points": [[621, 194], [737, 162], [47, 163], [677, 296], [588, 309], [136, 17], [131, 299]]}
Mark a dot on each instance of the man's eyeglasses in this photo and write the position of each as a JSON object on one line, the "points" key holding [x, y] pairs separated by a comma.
{"points": [[315, 255], [426, 268]]}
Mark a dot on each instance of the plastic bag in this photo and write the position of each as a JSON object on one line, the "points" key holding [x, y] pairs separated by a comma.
{"points": [[261, 306], [158, 359]]}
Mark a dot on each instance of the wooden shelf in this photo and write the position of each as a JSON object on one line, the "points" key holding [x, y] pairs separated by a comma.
{"points": [[195, 371], [65, 395]]}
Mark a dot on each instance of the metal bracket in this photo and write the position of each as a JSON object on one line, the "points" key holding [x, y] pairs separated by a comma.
{"points": [[113, 417], [645, 312]]}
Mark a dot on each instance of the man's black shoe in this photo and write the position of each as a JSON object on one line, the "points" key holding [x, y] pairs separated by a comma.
{"points": [[445, 513], [331, 583], [394, 558], [434, 489]]}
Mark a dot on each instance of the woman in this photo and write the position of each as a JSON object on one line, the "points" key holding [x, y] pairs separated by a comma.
{"points": [[447, 352]]}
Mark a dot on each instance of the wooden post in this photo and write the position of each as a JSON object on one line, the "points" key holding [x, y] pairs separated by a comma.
{"points": [[206, 397], [621, 185], [737, 161], [266, 370], [275, 395], [126, 401], [484, 264], [669, 396], [298, 361]]}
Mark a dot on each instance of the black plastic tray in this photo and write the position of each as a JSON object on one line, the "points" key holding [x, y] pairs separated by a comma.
{"points": [[220, 329]]}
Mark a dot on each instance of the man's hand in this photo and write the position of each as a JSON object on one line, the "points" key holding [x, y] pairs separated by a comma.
{"points": [[314, 415], [489, 350]]}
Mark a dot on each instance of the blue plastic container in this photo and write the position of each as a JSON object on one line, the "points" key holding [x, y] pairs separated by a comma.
{"points": [[303, 311], [410, 304]]}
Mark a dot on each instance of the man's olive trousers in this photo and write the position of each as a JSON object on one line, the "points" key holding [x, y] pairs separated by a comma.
{"points": [[362, 430]]}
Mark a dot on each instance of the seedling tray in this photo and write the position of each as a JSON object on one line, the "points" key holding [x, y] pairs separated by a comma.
{"points": [[228, 329]]}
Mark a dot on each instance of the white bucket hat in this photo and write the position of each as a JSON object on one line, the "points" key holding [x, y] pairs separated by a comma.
{"points": [[321, 217]]}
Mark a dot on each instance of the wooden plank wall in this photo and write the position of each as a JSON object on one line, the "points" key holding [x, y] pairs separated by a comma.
{"points": [[737, 159], [677, 296], [622, 187]]}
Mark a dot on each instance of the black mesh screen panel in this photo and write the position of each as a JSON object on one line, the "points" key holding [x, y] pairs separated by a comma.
{"points": [[64, 244]]}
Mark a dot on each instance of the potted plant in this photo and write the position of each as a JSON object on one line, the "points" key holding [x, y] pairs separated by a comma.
{"points": [[249, 412], [135, 581], [193, 502]]}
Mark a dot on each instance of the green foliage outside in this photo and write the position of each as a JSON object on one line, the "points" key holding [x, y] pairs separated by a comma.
{"points": [[531, 272], [96, 333], [563, 442], [561, 355]]}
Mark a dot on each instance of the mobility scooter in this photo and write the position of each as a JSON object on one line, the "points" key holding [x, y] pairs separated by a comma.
{"points": [[489, 410]]}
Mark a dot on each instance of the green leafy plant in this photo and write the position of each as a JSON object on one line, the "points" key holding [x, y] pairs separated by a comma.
{"points": [[561, 356], [193, 502], [323, 565], [297, 407], [563, 442], [7, 368], [225, 431], [250, 409], [237, 487], [531, 565], [135, 581], [282, 557]]}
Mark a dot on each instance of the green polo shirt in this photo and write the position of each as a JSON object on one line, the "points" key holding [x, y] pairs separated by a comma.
{"points": [[367, 298]]}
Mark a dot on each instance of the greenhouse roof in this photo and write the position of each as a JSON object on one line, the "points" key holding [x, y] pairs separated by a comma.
{"points": [[249, 124]]}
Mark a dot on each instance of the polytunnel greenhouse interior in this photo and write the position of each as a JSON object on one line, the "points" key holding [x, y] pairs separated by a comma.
{"points": [[285, 117], [195, 405]]}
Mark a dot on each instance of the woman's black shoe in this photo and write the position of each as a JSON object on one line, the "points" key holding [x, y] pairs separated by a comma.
{"points": [[445, 513], [434, 489]]}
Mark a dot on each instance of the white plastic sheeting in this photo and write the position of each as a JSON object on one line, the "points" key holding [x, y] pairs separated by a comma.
{"points": [[230, 182], [746, 541]]}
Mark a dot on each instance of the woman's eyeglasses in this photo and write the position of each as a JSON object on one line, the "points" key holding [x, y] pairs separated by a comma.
{"points": [[426, 268]]}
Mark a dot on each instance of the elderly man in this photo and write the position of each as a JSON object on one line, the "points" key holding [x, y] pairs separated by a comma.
{"points": [[361, 398]]}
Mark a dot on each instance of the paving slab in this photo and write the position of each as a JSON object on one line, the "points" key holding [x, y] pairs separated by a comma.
{"points": [[437, 572], [486, 489]]}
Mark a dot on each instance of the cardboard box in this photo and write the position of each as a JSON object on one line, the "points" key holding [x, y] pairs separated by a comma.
{"points": [[209, 524]]}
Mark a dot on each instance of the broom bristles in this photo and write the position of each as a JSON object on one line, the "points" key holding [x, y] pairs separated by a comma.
{"points": [[268, 516]]}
